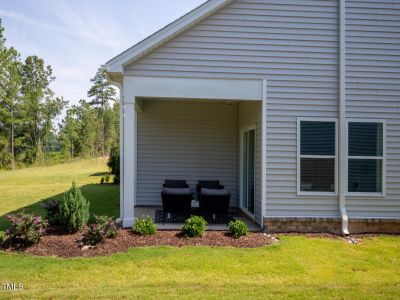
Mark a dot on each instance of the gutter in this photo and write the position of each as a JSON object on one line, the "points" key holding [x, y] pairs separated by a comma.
{"points": [[342, 118]]}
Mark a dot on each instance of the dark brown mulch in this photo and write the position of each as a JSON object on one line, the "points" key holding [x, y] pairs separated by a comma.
{"points": [[64, 245]]}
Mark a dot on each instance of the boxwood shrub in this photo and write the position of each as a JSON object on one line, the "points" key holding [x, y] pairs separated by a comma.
{"points": [[194, 226], [144, 226], [238, 228]]}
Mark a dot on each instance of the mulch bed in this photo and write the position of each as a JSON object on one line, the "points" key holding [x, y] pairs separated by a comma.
{"points": [[59, 244]]}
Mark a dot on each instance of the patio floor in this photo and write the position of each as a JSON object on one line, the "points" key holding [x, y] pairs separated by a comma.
{"points": [[141, 211]]}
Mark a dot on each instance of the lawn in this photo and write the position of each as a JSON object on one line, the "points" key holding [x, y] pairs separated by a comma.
{"points": [[296, 267], [28, 188]]}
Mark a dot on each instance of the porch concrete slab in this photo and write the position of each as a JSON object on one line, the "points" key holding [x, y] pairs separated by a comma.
{"points": [[144, 211]]}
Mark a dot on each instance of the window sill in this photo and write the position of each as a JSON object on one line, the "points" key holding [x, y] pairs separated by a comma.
{"points": [[316, 194], [360, 194]]}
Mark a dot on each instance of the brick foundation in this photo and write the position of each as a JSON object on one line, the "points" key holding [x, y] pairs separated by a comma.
{"points": [[374, 226], [331, 225]]}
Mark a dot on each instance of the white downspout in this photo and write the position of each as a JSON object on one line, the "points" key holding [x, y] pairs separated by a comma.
{"points": [[263, 152], [121, 146], [342, 118]]}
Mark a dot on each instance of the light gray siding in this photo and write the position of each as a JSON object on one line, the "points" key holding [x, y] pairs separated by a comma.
{"points": [[294, 45], [373, 90], [249, 114], [185, 140]]}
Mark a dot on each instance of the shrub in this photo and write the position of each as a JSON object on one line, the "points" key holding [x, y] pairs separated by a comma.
{"points": [[102, 180], [145, 226], [194, 226], [52, 208], [26, 229], [107, 178], [74, 209], [103, 228], [113, 163], [238, 228]]}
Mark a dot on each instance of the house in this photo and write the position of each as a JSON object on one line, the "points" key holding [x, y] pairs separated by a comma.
{"points": [[293, 104]]}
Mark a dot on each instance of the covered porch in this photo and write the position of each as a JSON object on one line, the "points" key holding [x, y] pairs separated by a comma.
{"points": [[203, 133]]}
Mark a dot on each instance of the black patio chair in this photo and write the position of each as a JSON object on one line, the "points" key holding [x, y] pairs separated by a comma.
{"points": [[176, 198], [213, 199]]}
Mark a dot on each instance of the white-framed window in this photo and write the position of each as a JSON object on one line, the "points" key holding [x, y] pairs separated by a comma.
{"points": [[366, 157], [317, 163]]}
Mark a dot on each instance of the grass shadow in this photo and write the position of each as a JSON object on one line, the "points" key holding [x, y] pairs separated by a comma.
{"points": [[103, 198], [98, 174]]}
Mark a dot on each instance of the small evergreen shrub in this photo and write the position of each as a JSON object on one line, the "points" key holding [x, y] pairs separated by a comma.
{"points": [[194, 226], [52, 208], [114, 164], [25, 229], [102, 180], [74, 209], [238, 228], [145, 226], [107, 178], [103, 228]]}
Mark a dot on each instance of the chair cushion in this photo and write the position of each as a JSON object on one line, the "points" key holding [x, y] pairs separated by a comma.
{"points": [[176, 184], [209, 184], [173, 191], [214, 192]]}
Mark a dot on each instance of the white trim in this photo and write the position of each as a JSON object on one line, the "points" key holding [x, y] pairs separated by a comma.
{"points": [[244, 209], [116, 64], [121, 146], [383, 157], [193, 88], [300, 156], [264, 152]]}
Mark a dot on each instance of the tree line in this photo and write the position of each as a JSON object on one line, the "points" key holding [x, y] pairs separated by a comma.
{"points": [[29, 134]]}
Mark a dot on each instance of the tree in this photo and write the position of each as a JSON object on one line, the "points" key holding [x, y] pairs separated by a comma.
{"points": [[102, 93], [10, 85], [69, 133], [38, 105]]}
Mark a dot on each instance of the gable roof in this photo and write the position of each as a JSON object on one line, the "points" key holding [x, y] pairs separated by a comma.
{"points": [[116, 64]]}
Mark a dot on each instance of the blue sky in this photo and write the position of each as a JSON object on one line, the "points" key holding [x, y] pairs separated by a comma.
{"points": [[76, 36]]}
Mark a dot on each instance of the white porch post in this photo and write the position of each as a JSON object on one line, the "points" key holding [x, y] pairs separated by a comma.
{"points": [[129, 161]]}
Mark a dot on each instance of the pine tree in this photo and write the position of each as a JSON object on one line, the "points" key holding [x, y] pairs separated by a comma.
{"points": [[102, 93]]}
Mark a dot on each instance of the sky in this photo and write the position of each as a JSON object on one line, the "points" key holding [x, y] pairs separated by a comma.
{"points": [[75, 37]]}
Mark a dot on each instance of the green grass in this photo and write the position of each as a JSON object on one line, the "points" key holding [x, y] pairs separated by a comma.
{"points": [[297, 267], [27, 189]]}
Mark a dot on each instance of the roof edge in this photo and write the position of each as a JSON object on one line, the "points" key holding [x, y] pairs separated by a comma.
{"points": [[116, 64]]}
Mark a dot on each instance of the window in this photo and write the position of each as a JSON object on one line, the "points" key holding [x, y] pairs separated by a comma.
{"points": [[366, 157], [316, 157]]}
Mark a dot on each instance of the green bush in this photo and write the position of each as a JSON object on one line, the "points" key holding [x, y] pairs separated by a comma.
{"points": [[113, 163], [52, 208], [194, 226], [102, 180], [103, 228], [238, 228], [74, 209], [25, 229], [107, 178], [145, 226]]}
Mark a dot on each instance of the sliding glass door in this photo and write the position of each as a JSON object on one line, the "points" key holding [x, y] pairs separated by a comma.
{"points": [[247, 169]]}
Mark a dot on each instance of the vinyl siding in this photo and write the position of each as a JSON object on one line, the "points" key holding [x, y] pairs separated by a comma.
{"points": [[294, 45], [185, 140], [249, 114], [373, 90]]}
